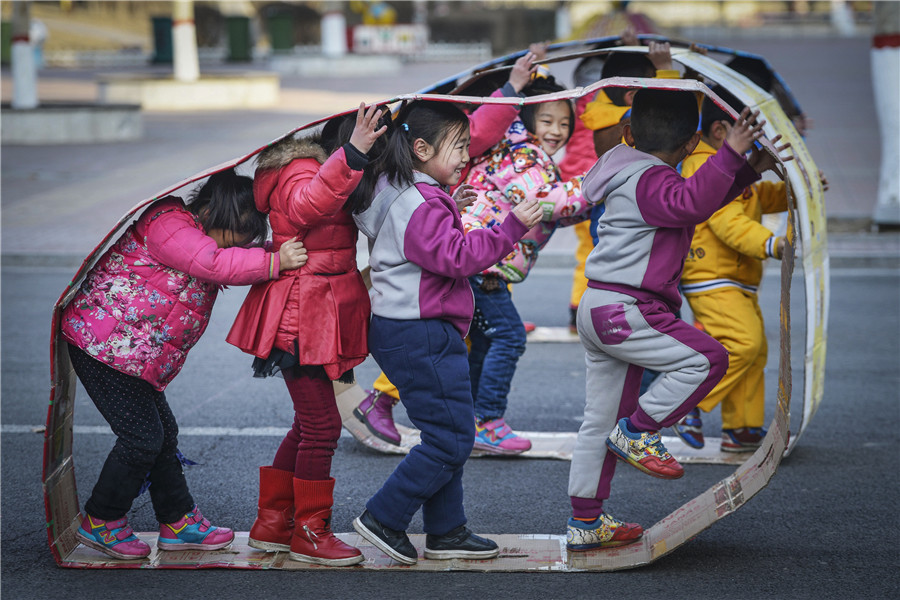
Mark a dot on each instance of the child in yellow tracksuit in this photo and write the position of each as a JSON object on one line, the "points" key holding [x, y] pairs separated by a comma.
{"points": [[721, 275]]}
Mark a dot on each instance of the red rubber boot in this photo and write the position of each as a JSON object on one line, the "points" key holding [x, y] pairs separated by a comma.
{"points": [[274, 523], [313, 540]]}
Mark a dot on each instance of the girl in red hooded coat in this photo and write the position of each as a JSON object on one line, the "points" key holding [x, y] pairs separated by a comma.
{"points": [[311, 325]]}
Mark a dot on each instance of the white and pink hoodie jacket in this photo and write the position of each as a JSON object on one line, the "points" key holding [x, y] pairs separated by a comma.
{"points": [[420, 257], [651, 211]]}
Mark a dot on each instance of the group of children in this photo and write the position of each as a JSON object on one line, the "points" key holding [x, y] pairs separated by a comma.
{"points": [[442, 258]]}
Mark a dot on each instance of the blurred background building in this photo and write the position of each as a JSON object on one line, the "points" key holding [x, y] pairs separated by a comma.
{"points": [[121, 33]]}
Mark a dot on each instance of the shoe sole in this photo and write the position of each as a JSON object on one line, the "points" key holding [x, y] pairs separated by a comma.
{"points": [[601, 545], [362, 419], [205, 547], [376, 541], [331, 562], [186, 546], [497, 450], [268, 546], [463, 554], [738, 449], [623, 456], [106, 550]]}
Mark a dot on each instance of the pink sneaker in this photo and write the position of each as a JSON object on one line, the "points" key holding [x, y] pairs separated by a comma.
{"points": [[496, 437], [114, 538], [375, 412], [193, 532]]}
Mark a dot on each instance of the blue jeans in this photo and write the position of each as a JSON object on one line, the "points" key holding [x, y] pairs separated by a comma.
{"points": [[426, 360], [497, 336]]}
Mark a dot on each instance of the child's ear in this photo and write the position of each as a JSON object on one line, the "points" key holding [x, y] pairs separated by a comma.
{"points": [[719, 131], [691, 144], [629, 97], [626, 133], [422, 149]]}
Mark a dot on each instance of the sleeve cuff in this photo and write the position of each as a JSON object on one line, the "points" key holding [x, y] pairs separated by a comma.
{"points": [[772, 247], [509, 91], [356, 160]]}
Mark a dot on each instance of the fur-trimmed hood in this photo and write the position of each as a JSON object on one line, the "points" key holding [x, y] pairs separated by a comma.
{"points": [[275, 158], [291, 148]]}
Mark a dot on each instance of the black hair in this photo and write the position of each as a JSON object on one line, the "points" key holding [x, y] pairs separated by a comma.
{"points": [[544, 85], [427, 119], [225, 202], [485, 85], [625, 64], [663, 120], [753, 69], [710, 112], [589, 70], [335, 133]]}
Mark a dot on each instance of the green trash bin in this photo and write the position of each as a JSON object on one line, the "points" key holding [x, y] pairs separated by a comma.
{"points": [[239, 45], [281, 33], [5, 42], [162, 40]]}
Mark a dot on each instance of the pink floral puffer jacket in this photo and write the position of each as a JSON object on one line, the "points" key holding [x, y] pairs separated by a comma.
{"points": [[516, 169], [148, 299]]}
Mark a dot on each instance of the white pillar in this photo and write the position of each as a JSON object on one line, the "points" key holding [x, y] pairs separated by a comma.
{"points": [[885, 55], [184, 42], [334, 30], [842, 18], [24, 69], [563, 22]]}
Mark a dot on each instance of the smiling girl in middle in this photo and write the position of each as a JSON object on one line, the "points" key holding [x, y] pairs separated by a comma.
{"points": [[519, 168]]}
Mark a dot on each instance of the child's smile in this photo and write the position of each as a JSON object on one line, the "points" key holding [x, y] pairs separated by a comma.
{"points": [[552, 126]]}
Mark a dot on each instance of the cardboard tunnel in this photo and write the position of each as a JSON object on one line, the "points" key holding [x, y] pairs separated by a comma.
{"points": [[528, 551]]}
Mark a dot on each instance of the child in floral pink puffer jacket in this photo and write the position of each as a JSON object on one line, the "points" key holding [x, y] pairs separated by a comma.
{"points": [[518, 168], [129, 328]]}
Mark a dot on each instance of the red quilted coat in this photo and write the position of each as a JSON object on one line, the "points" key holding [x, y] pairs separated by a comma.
{"points": [[320, 312]]}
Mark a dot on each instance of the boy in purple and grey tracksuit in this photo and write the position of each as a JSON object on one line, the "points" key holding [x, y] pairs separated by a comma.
{"points": [[626, 318]]}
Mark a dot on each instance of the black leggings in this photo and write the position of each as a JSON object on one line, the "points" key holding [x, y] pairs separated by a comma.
{"points": [[146, 444]]}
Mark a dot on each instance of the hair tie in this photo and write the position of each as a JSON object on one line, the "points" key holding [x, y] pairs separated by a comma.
{"points": [[405, 127]]}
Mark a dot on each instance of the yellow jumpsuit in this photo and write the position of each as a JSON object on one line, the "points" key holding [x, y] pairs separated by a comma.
{"points": [[721, 276]]}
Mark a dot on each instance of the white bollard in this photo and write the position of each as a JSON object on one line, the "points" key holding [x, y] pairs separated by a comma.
{"points": [[334, 34], [186, 63], [24, 74], [885, 55]]}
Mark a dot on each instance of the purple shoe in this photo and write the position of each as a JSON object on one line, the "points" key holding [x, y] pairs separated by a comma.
{"points": [[496, 437], [114, 538], [375, 411]]}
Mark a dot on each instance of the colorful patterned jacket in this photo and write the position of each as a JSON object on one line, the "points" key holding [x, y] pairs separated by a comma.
{"points": [[515, 169], [148, 299]]}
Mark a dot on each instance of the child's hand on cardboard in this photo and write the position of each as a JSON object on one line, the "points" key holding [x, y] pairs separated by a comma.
{"points": [[529, 212], [365, 132], [762, 161], [522, 70], [660, 55], [745, 131], [629, 37]]}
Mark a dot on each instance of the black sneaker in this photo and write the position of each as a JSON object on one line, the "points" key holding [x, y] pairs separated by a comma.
{"points": [[459, 543], [394, 543]]}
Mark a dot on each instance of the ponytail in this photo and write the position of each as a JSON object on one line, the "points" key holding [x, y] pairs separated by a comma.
{"points": [[427, 119], [337, 132]]}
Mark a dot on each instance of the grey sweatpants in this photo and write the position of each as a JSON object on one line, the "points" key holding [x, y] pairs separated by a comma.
{"points": [[622, 336]]}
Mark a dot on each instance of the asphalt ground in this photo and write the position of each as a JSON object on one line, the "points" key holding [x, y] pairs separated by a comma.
{"points": [[825, 527]]}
